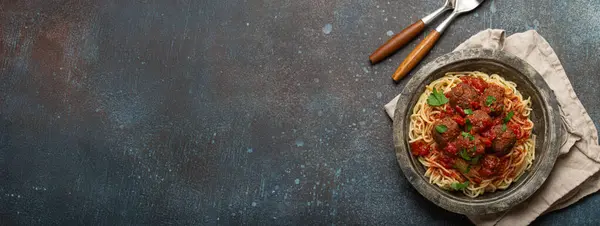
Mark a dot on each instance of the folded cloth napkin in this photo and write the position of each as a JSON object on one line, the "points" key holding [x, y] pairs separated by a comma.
{"points": [[576, 172]]}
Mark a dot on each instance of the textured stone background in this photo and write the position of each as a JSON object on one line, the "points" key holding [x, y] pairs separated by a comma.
{"points": [[229, 112]]}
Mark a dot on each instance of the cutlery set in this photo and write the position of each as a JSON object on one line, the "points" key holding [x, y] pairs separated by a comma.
{"points": [[422, 49]]}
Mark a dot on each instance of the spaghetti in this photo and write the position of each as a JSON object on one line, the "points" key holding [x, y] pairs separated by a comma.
{"points": [[472, 132]]}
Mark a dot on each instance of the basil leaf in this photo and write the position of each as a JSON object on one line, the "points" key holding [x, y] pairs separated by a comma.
{"points": [[468, 169], [441, 128], [459, 186], [468, 125], [463, 154], [468, 111], [467, 135], [503, 127], [464, 134], [489, 100], [508, 116], [436, 98]]}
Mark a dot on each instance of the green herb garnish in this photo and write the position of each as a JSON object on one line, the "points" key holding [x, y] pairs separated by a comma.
{"points": [[463, 154], [441, 128], [460, 186], [437, 98], [468, 111], [489, 100], [462, 166], [467, 135], [503, 127], [508, 116], [468, 125]]}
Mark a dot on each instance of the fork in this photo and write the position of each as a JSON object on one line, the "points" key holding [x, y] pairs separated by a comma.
{"points": [[414, 57]]}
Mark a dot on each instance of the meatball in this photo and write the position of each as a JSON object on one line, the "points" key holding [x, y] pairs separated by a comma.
{"points": [[452, 130], [479, 120], [472, 144], [492, 99], [462, 95], [489, 165], [504, 140]]}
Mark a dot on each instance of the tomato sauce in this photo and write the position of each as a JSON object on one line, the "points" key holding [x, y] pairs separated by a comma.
{"points": [[459, 120], [460, 111], [516, 129], [477, 83], [475, 105], [420, 148], [446, 161], [451, 148], [470, 145]]}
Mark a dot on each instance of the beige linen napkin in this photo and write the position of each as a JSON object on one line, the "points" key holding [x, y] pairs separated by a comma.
{"points": [[575, 174]]}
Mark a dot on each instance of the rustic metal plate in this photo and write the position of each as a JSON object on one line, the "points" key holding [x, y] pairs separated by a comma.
{"points": [[545, 116]]}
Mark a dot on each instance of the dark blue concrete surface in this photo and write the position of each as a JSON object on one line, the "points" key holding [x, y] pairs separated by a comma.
{"points": [[230, 112]]}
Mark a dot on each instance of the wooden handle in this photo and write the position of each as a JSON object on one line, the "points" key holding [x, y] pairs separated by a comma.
{"points": [[416, 55], [396, 42]]}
